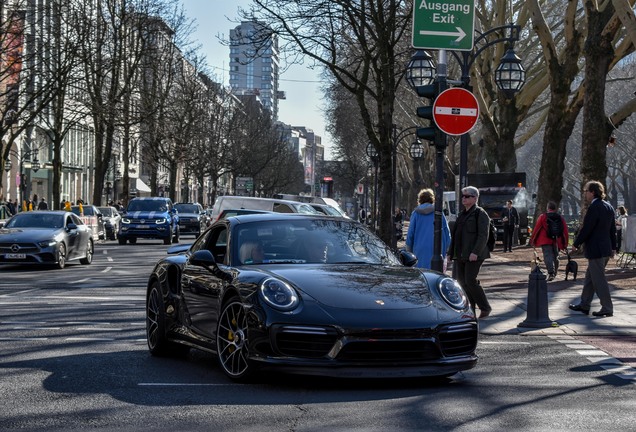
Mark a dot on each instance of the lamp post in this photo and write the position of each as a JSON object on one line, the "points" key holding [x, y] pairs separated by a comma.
{"points": [[109, 189], [509, 76], [35, 166], [416, 151], [116, 179], [375, 159]]}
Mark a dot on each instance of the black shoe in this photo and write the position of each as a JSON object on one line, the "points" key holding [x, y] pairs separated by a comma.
{"points": [[484, 313], [579, 308], [603, 313], [551, 277]]}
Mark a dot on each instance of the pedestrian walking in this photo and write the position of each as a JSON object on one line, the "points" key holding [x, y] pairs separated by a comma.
{"points": [[43, 204], [621, 222], [510, 221], [551, 234], [468, 248], [598, 234], [420, 236]]}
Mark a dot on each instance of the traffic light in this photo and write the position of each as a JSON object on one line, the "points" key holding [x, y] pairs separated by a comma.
{"points": [[432, 132]]}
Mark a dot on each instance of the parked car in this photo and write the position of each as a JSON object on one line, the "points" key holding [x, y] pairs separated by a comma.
{"points": [[235, 212], [329, 210], [253, 203], [192, 218], [93, 218], [112, 220], [309, 295], [45, 238], [151, 218]]}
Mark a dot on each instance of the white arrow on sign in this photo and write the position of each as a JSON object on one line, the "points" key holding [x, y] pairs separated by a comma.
{"points": [[459, 33]]}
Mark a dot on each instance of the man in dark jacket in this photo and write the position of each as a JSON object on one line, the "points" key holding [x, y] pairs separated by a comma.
{"points": [[469, 248], [598, 233], [510, 221]]}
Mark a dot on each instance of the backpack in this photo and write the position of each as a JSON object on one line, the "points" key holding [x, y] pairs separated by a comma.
{"points": [[555, 225], [492, 234]]}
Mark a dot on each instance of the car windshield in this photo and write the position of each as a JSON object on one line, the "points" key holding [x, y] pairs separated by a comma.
{"points": [[36, 220], [87, 210], [106, 211], [309, 241], [186, 208], [147, 206]]}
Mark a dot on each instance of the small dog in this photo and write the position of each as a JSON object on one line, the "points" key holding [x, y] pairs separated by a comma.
{"points": [[571, 267]]}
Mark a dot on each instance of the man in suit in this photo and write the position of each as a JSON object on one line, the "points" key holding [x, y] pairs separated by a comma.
{"points": [[510, 221], [598, 233]]}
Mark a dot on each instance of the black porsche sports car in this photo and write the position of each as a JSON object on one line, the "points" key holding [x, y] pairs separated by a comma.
{"points": [[313, 295]]}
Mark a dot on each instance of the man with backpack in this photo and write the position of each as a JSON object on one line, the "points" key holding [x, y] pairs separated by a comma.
{"points": [[551, 233]]}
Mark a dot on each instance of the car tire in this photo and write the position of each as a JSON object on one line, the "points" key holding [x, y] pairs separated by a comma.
{"points": [[89, 254], [158, 343], [168, 240], [133, 240], [231, 342], [61, 256], [122, 241]]}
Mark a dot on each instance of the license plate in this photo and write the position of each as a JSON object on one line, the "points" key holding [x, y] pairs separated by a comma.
{"points": [[183, 226], [143, 227], [15, 256]]}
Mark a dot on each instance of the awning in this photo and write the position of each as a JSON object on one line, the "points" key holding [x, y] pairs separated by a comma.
{"points": [[141, 186]]}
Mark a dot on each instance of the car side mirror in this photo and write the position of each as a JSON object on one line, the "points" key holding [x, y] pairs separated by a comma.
{"points": [[203, 258], [71, 227], [446, 213], [407, 259]]}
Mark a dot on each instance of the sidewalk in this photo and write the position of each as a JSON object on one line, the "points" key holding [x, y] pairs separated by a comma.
{"points": [[505, 279]]}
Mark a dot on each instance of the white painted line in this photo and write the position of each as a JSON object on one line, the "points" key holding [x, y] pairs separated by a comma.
{"points": [[87, 339], [581, 346], [592, 353], [80, 281], [618, 368], [23, 339], [503, 343], [604, 360], [107, 269], [109, 259]]}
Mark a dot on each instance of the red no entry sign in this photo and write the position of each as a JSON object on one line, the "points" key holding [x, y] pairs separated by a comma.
{"points": [[455, 111]]}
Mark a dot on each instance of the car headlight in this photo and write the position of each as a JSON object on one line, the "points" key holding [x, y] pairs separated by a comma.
{"points": [[452, 293], [279, 294], [161, 221], [47, 243], [125, 220]]}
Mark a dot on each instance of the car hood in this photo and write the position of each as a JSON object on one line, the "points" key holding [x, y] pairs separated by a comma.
{"points": [[360, 286], [27, 234]]}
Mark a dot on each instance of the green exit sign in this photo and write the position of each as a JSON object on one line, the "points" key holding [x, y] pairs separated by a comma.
{"points": [[442, 24]]}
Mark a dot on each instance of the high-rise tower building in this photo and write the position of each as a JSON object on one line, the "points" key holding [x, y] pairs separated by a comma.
{"points": [[254, 64]]}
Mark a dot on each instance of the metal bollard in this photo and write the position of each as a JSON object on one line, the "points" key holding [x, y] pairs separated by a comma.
{"points": [[537, 310]]}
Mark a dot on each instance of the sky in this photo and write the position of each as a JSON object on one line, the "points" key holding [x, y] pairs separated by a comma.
{"points": [[303, 106]]}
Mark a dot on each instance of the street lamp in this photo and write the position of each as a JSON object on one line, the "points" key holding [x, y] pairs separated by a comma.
{"points": [[375, 159], [416, 151], [420, 71], [35, 165], [509, 76]]}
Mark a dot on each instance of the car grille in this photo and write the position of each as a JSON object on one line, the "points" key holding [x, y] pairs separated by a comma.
{"points": [[458, 339], [376, 346], [24, 248], [304, 341]]}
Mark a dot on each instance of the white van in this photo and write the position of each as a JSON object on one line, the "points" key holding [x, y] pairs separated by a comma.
{"points": [[449, 207], [268, 204]]}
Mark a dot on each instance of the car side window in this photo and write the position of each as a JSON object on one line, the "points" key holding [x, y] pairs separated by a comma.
{"points": [[282, 208], [217, 244]]}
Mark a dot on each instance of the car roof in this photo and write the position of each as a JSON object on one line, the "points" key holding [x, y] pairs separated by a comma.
{"points": [[274, 216]]}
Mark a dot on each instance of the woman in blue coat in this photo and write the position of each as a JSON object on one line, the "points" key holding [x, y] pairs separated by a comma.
{"points": [[421, 234]]}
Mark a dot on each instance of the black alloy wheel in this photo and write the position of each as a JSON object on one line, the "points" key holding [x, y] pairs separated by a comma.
{"points": [[231, 341], [158, 343]]}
